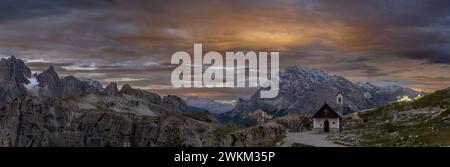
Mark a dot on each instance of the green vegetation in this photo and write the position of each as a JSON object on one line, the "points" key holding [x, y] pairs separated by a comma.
{"points": [[426, 132], [380, 128], [439, 98]]}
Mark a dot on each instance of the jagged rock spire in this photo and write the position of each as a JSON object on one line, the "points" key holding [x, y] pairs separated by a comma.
{"points": [[111, 89], [51, 71], [13, 75], [126, 88]]}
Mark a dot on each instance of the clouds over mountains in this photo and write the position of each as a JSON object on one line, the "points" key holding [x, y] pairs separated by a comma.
{"points": [[402, 41]]}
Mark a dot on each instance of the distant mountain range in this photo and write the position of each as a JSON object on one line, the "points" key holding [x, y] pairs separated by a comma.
{"points": [[305, 90], [44, 109], [197, 104], [48, 110]]}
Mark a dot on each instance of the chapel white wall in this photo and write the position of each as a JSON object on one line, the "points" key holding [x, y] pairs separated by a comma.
{"points": [[319, 122]]}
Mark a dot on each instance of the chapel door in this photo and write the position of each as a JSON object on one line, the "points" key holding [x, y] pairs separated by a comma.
{"points": [[326, 127]]}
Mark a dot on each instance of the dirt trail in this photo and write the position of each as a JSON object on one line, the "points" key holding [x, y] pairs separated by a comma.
{"points": [[308, 138]]}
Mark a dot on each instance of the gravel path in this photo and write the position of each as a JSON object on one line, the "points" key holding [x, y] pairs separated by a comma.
{"points": [[308, 138]]}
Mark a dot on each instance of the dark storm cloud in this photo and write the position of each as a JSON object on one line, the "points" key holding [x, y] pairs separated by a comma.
{"points": [[416, 29], [40, 66], [132, 40], [26, 9], [364, 69]]}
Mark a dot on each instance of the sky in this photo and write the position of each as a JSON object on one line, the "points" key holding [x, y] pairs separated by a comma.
{"points": [[404, 42]]}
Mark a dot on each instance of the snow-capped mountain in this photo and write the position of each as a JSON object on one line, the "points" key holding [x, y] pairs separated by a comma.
{"points": [[306, 90]]}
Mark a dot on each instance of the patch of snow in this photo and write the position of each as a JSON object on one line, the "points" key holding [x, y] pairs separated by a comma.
{"points": [[33, 83], [32, 86]]}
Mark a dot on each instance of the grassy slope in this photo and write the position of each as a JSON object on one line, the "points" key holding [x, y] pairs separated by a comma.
{"points": [[426, 129]]}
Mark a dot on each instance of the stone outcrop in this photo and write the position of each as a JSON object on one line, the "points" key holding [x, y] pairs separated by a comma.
{"points": [[262, 135], [295, 122], [148, 96], [174, 103]]}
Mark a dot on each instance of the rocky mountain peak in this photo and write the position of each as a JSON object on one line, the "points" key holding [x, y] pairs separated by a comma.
{"points": [[174, 103], [111, 89], [13, 69], [50, 82], [13, 75], [305, 90], [16, 80], [126, 88], [51, 72], [94, 83]]}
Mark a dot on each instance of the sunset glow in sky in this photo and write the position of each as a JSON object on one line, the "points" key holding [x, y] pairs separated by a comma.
{"points": [[405, 42]]}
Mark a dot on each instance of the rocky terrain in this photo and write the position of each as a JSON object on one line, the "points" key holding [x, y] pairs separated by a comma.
{"points": [[47, 110], [13, 75], [123, 120], [306, 90], [295, 122], [423, 122]]}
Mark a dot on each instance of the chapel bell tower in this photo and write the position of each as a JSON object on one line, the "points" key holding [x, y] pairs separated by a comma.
{"points": [[340, 103]]}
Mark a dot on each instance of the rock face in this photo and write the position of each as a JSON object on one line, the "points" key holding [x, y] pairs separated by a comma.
{"points": [[94, 84], [111, 89], [53, 86], [262, 135], [46, 110], [305, 90], [295, 122], [131, 118], [98, 120], [174, 103], [13, 75], [15, 78]]}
